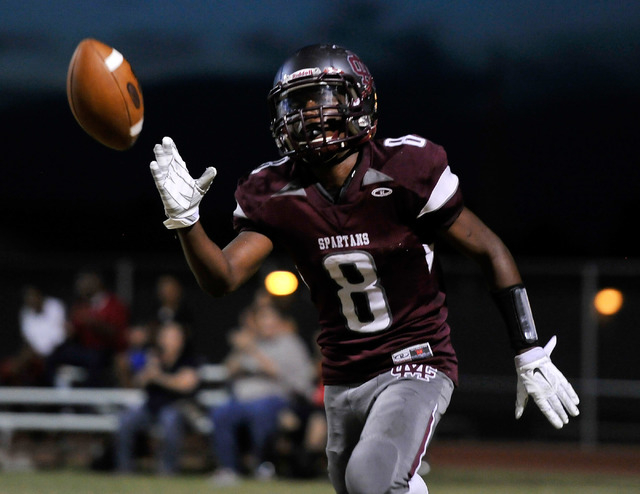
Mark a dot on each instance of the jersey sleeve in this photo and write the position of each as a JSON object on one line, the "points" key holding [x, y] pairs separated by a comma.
{"points": [[444, 204], [426, 172], [443, 198], [253, 193], [245, 195], [241, 222]]}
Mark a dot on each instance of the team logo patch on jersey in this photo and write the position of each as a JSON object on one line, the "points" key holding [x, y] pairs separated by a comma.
{"points": [[412, 353], [423, 372], [381, 192]]}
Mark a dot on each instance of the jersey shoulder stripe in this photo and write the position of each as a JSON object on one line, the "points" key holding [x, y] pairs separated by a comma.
{"points": [[238, 212], [269, 164], [268, 179], [445, 188], [421, 167]]}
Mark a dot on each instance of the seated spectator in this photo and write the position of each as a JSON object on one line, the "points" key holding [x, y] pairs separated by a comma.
{"points": [[98, 321], [172, 305], [303, 437], [269, 366], [170, 379], [132, 360], [42, 327]]}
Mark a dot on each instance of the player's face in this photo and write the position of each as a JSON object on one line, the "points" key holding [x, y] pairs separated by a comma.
{"points": [[314, 112], [311, 97], [171, 339]]}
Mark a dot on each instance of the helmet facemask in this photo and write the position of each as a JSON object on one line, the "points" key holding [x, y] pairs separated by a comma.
{"points": [[320, 119]]}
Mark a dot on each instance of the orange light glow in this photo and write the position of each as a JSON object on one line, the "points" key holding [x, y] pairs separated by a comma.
{"points": [[281, 283], [608, 301]]}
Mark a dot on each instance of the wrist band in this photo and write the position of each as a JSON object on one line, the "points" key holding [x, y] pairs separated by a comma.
{"points": [[513, 303]]}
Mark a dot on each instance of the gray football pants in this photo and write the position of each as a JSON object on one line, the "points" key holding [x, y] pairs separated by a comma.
{"points": [[378, 431]]}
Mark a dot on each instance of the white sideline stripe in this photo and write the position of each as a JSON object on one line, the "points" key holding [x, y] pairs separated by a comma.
{"points": [[114, 60], [136, 128]]}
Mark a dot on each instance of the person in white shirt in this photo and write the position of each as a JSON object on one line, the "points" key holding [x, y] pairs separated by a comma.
{"points": [[42, 321]]}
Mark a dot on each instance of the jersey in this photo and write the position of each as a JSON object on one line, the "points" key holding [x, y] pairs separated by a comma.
{"points": [[367, 256]]}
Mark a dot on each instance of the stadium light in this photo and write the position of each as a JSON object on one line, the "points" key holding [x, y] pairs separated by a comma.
{"points": [[608, 301], [281, 283]]}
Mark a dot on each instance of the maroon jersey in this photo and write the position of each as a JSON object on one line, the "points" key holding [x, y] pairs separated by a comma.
{"points": [[366, 256]]}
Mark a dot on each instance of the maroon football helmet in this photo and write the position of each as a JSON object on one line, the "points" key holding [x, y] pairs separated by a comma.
{"points": [[323, 104]]}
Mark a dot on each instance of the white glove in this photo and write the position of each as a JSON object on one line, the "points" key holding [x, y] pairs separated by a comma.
{"points": [[180, 193], [550, 390]]}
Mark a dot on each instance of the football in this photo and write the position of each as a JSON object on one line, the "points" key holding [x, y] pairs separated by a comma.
{"points": [[104, 94]]}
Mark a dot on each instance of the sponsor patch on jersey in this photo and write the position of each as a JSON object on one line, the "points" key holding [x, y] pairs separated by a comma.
{"points": [[423, 372], [381, 192], [412, 353]]}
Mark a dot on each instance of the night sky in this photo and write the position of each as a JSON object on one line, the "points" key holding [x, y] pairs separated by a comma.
{"points": [[536, 103]]}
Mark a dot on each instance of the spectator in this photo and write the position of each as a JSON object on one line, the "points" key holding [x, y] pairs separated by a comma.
{"points": [[42, 327], [302, 443], [170, 379], [172, 305], [97, 331], [311, 460], [269, 366], [132, 360]]}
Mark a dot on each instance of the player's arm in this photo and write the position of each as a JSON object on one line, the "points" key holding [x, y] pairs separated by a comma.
{"points": [[220, 271], [217, 270], [538, 377], [473, 238]]}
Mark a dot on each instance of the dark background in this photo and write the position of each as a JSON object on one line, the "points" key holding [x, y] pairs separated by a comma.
{"points": [[537, 105]]}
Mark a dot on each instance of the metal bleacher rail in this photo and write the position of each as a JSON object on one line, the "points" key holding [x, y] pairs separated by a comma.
{"points": [[68, 409]]}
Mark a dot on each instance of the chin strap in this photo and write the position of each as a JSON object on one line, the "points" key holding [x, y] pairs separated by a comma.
{"points": [[317, 157]]}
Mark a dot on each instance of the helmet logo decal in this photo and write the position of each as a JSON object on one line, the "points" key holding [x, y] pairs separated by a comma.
{"points": [[361, 69], [332, 71]]}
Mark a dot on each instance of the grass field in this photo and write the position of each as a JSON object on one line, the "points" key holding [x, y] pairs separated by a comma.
{"points": [[445, 481]]}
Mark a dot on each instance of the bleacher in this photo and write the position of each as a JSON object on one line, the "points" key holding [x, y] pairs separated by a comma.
{"points": [[70, 409]]}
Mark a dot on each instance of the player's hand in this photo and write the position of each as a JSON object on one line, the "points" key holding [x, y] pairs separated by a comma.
{"points": [[180, 193], [550, 390]]}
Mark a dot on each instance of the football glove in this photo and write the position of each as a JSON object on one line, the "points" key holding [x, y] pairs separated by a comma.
{"points": [[550, 390], [180, 193]]}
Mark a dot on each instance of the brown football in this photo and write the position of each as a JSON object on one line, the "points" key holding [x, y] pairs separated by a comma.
{"points": [[105, 95]]}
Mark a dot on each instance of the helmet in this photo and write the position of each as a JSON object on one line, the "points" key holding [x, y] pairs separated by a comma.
{"points": [[323, 104]]}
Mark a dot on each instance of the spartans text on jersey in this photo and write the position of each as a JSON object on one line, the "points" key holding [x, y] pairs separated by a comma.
{"points": [[342, 241]]}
